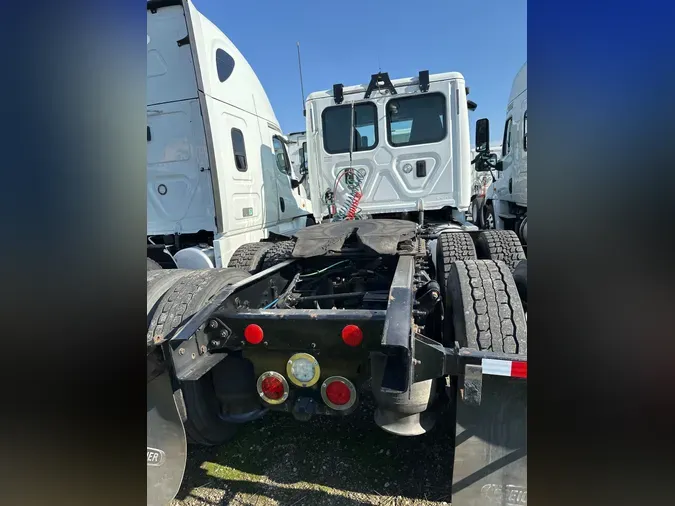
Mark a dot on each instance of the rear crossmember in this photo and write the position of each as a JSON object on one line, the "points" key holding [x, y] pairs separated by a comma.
{"points": [[410, 357]]}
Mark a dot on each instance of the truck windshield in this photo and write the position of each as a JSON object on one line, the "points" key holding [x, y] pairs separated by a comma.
{"points": [[416, 120], [337, 122]]}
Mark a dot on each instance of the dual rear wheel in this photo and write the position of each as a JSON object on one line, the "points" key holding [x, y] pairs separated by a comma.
{"points": [[174, 296], [484, 303]]}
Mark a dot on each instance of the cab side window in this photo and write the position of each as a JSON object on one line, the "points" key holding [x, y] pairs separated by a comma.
{"points": [[281, 156], [506, 143]]}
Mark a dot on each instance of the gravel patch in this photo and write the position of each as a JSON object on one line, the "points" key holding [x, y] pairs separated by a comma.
{"points": [[343, 461]]}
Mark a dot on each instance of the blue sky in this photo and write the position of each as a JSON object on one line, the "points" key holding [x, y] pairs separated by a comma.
{"points": [[346, 42]]}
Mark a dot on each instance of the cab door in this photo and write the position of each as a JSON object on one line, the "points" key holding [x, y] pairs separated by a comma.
{"points": [[288, 204], [520, 168], [502, 186]]}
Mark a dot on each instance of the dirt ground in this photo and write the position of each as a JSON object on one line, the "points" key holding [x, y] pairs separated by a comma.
{"points": [[343, 461]]}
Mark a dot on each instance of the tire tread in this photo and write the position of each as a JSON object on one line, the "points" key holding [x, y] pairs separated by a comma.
{"points": [[501, 245], [487, 312]]}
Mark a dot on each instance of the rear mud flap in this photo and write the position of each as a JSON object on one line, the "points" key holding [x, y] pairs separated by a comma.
{"points": [[167, 445], [490, 464]]}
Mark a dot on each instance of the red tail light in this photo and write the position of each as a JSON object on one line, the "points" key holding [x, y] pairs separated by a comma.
{"points": [[352, 335], [338, 393], [272, 387], [253, 334]]}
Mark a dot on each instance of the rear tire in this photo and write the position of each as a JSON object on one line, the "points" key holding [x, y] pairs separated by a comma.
{"points": [[152, 265], [485, 308], [159, 281], [280, 252], [187, 296], [501, 245], [249, 257], [451, 247]]}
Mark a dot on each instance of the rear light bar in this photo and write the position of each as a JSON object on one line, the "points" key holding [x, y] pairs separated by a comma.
{"points": [[513, 369]]}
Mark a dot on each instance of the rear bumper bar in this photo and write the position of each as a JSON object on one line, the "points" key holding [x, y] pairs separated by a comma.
{"points": [[410, 358]]}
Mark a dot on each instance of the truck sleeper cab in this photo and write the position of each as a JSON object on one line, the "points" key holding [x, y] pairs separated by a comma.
{"points": [[218, 170]]}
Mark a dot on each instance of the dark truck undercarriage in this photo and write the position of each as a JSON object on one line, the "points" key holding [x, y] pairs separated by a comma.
{"points": [[342, 309]]}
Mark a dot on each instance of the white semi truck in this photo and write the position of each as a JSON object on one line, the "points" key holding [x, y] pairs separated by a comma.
{"points": [[218, 169], [392, 292], [505, 204], [410, 152]]}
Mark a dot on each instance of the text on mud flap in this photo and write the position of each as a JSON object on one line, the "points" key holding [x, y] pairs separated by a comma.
{"points": [[509, 495], [155, 457]]}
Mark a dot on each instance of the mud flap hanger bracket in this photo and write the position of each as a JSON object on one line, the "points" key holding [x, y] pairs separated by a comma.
{"points": [[433, 360], [189, 347]]}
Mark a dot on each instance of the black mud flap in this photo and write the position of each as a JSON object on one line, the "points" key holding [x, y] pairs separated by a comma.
{"points": [[167, 445], [490, 464]]}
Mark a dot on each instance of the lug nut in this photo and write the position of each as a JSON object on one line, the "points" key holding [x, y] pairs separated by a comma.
{"points": [[213, 324]]}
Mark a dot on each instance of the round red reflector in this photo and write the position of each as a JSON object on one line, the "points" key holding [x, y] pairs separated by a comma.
{"points": [[272, 388], [352, 335], [253, 333], [338, 393]]}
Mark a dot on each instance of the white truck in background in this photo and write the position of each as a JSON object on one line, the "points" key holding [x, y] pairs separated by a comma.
{"points": [[481, 182], [410, 152], [218, 169], [505, 203], [297, 150]]}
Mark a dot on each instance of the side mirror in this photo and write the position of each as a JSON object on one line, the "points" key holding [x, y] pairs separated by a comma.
{"points": [[281, 161], [484, 162], [483, 135], [499, 165]]}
